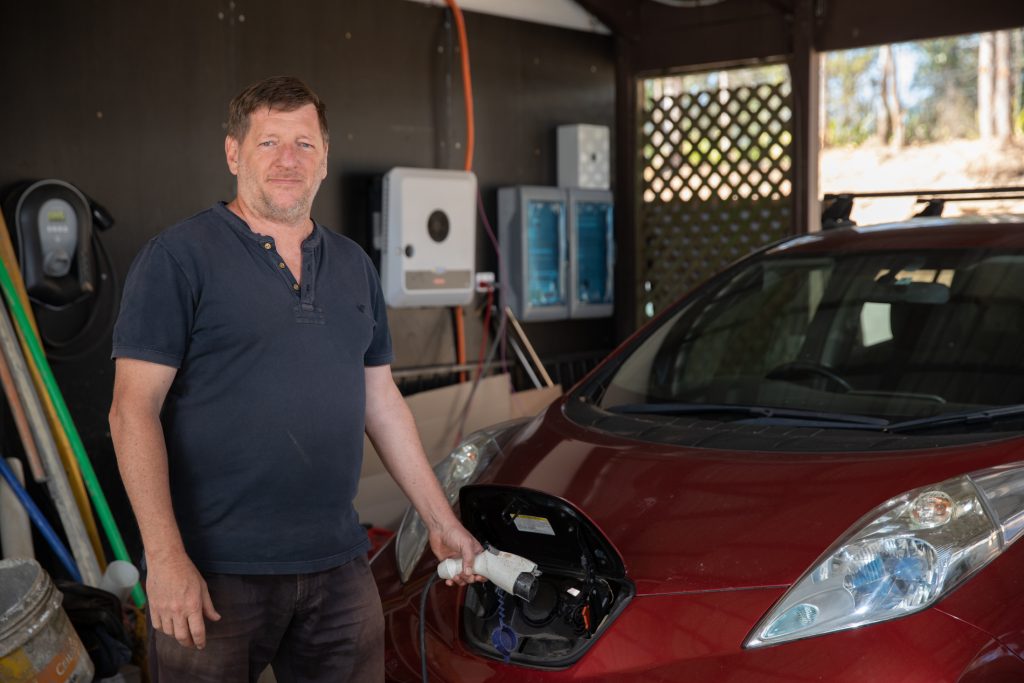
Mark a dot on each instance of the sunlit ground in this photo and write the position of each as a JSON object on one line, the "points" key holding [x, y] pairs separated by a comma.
{"points": [[958, 164]]}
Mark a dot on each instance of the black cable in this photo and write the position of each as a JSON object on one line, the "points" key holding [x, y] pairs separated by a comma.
{"points": [[423, 626], [485, 368]]}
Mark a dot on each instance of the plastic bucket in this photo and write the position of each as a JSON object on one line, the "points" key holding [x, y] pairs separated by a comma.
{"points": [[37, 641]]}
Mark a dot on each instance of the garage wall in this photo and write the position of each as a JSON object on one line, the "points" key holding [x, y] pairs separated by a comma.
{"points": [[128, 101]]}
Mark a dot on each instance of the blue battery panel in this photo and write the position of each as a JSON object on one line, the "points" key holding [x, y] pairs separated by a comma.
{"points": [[593, 230], [544, 230]]}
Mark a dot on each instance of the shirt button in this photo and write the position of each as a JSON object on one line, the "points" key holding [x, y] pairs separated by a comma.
{"points": [[295, 286], [267, 245], [281, 265]]}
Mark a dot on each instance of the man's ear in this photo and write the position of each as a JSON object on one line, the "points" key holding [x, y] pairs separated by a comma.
{"points": [[231, 153], [323, 171]]}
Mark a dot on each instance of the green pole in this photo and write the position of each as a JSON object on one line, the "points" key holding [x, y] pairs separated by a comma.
{"points": [[92, 485]]}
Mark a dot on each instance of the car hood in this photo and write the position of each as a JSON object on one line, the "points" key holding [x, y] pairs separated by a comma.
{"points": [[688, 519]]}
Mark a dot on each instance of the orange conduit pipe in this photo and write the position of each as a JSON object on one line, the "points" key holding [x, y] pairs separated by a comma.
{"points": [[67, 453], [467, 93], [467, 82]]}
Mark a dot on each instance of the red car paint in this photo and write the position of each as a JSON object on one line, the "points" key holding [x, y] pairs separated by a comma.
{"points": [[713, 538]]}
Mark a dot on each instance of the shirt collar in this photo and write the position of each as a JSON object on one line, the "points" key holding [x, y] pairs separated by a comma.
{"points": [[242, 228]]}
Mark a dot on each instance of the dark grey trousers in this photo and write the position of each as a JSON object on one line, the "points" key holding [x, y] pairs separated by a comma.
{"points": [[326, 626]]}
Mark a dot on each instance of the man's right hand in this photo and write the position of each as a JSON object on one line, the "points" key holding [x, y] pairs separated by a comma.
{"points": [[179, 599]]}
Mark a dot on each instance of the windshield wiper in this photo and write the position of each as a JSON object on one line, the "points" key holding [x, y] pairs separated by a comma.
{"points": [[972, 417], [789, 416]]}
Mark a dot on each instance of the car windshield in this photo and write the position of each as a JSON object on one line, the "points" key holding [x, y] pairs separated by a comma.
{"points": [[895, 335]]}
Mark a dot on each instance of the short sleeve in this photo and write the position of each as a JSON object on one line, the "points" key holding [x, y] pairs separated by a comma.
{"points": [[157, 309], [379, 351]]}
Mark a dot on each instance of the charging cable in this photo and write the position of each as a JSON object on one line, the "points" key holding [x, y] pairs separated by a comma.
{"points": [[509, 573], [423, 626]]}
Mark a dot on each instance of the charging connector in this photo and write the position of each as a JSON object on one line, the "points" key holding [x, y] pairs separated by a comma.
{"points": [[512, 573]]}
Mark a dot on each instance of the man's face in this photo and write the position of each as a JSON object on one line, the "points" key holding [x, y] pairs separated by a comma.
{"points": [[280, 163]]}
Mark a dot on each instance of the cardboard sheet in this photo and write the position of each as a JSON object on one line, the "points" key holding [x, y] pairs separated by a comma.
{"points": [[437, 413]]}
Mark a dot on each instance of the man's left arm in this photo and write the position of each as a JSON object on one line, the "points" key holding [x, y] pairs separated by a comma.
{"points": [[391, 428]]}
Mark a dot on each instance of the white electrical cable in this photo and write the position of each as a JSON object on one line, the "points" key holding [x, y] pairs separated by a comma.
{"points": [[526, 364]]}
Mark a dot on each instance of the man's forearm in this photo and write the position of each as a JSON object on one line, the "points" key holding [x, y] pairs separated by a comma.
{"points": [[399, 447], [391, 428], [142, 459]]}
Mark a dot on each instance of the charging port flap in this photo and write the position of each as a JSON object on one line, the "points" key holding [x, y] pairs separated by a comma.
{"points": [[582, 584]]}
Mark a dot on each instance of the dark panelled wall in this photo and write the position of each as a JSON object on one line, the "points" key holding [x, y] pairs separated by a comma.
{"points": [[128, 101]]}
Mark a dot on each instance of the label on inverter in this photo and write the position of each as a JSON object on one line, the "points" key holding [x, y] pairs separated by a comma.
{"points": [[433, 279]]}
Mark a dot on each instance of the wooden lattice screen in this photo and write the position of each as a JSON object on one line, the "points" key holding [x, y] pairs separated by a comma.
{"points": [[717, 183]]}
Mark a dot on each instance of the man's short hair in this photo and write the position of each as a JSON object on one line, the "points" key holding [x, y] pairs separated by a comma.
{"points": [[284, 93]]}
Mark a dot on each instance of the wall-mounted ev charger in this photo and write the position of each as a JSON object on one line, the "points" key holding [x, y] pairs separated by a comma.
{"points": [[427, 237]]}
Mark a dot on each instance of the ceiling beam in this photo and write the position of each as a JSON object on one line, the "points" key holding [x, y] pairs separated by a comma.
{"points": [[617, 15], [844, 24], [563, 13], [665, 38]]}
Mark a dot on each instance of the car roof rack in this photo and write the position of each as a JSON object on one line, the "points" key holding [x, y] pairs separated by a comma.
{"points": [[836, 207]]}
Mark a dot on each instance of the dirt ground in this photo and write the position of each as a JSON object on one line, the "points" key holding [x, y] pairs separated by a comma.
{"points": [[958, 164]]}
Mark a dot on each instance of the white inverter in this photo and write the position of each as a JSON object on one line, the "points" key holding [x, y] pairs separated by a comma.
{"points": [[428, 240]]}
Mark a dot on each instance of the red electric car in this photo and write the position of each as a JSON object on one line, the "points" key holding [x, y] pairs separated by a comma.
{"points": [[811, 468]]}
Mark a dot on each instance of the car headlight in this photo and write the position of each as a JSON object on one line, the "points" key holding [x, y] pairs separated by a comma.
{"points": [[460, 467], [902, 557]]}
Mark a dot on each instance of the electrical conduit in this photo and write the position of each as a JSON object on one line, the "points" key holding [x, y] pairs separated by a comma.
{"points": [[21, 422], [56, 478], [467, 93], [92, 484]]}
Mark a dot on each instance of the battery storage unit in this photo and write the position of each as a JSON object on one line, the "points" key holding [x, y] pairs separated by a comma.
{"points": [[428, 237], [591, 253], [534, 245]]}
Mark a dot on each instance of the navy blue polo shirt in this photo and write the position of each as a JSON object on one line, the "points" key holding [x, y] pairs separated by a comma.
{"points": [[264, 420]]}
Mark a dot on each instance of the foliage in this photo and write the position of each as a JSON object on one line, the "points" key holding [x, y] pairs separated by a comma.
{"points": [[947, 79], [851, 91], [940, 99]]}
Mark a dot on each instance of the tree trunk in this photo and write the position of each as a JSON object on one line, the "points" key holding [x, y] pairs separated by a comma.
{"points": [[1016, 57], [882, 130], [823, 140], [890, 121], [986, 49], [1002, 104], [892, 103]]}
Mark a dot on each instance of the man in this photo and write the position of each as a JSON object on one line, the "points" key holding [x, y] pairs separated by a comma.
{"points": [[252, 350]]}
